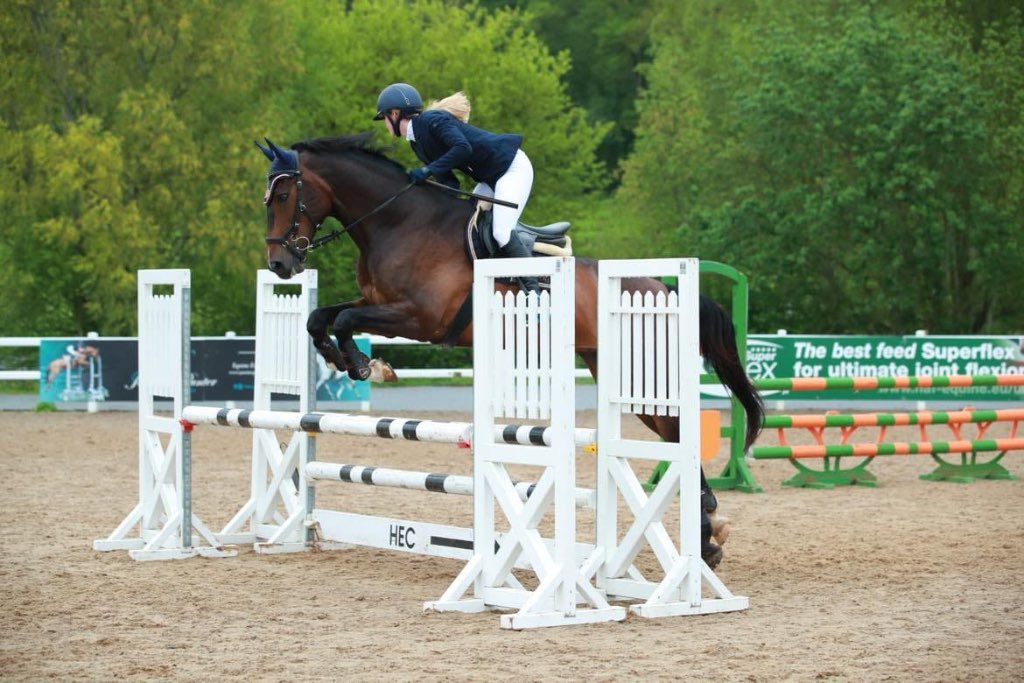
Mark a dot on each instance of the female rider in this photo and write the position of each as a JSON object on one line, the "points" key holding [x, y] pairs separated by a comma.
{"points": [[444, 142]]}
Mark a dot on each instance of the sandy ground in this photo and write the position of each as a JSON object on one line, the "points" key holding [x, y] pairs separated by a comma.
{"points": [[912, 580]]}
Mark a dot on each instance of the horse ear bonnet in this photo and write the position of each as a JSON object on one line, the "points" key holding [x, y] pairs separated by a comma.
{"points": [[286, 161], [281, 160]]}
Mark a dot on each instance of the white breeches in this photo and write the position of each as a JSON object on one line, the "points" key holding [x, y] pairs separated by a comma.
{"points": [[513, 187]]}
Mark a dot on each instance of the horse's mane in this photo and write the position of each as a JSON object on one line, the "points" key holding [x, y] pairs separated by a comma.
{"points": [[336, 146], [358, 142]]}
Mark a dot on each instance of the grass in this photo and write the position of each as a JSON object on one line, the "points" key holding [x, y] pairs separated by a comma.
{"points": [[19, 386]]}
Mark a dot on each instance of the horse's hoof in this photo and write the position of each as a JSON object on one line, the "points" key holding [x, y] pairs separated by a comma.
{"points": [[359, 373], [381, 371], [711, 554], [720, 528]]}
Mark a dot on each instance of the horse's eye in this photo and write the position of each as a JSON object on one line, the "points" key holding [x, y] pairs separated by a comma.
{"points": [[282, 197]]}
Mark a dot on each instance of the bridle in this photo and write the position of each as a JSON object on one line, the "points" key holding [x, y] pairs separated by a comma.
{"points": [[291, 240], [298, 245]]}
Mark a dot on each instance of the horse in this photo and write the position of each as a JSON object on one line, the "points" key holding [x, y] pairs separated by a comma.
{"points": [[75, 357], [414, 273]]}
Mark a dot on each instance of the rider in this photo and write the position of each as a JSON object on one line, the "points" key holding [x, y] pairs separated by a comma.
{"points": [[443, 142]]}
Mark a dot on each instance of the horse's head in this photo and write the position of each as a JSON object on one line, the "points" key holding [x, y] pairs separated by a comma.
{"points": [[291, 207]]}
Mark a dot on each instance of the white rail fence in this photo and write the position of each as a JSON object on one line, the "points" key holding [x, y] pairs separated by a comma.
{"points": [[375, 343]]}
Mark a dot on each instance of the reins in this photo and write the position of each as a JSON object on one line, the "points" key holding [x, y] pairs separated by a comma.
{"points": [[335, 234]]}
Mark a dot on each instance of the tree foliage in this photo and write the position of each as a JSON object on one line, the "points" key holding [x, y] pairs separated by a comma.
{"points": [[862, 162], [857, 167], [128, 128]]}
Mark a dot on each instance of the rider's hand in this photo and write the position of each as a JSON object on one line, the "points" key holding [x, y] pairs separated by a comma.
{"points": [[418, 175]]}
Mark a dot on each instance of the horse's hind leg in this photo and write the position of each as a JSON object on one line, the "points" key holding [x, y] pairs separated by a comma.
{"points": [[668, 429], [665, 427]]}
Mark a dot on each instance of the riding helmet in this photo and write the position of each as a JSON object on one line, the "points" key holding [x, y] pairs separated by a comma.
{"points": [[401, 96]]}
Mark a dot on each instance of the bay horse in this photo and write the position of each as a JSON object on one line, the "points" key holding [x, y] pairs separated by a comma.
{"points": [[414, 274]]}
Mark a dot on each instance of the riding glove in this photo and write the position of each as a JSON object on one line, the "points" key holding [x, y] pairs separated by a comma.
{"points": [[418, 175]]}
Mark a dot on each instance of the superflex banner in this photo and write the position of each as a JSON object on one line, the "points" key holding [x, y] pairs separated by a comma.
{"points": [[776, 356]]}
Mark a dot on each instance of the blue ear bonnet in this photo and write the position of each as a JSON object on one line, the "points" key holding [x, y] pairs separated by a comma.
{"points": [[286, 162], [282, 161]]}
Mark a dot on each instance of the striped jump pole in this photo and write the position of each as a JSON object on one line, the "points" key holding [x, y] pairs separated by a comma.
{"points": [[419, 481], [381, 427], [738, 476]]}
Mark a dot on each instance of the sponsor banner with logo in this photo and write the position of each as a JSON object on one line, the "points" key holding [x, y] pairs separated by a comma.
{"points": [[87, 369], [777, 356], [222, 369]]}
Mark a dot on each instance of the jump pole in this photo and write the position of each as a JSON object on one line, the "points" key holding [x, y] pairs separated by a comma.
{"points": [[409, 429], [835, 472], [420, 481], [909, 382]]}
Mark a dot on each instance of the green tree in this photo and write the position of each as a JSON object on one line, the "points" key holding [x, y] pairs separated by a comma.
{"points": [[129, 129], [857, 167], [606, 43]]}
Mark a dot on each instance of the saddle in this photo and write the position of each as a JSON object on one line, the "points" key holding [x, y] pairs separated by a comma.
{"points": [[546, 240]]}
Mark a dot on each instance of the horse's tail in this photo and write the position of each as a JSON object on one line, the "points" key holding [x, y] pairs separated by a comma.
{"points": [[718, 346]]}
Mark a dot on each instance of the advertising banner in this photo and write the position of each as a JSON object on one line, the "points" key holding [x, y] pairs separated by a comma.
{"points": [[223, 369], [776, 356], [87, 369]]}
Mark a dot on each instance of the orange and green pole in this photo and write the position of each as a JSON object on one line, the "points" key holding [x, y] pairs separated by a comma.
{"points": [[891, 448], [919, 382], [894, 419]]}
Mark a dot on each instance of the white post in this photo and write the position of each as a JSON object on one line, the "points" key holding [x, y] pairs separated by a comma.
{"points": [[284, 365], [230, 334], [164, 511], [921, 405], [779, 405], [648, 364], [95, 378]]}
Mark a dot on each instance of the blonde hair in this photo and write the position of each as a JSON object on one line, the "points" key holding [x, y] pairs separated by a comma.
{"points": [[456, 104]]}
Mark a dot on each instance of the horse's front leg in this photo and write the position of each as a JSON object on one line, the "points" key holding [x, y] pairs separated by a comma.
{"points": [[317, 325], [393, 320]]}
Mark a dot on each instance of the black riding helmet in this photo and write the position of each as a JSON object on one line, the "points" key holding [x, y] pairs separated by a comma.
{"points": [[401, 96]]}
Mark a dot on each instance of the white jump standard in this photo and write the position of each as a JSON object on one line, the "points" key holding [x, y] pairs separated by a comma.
{"points": [[164, 511]]}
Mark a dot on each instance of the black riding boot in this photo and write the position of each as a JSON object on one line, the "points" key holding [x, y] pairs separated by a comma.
{"points": [[516, 249]]}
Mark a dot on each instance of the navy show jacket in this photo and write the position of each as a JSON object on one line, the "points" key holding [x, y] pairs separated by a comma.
{"points": [[443, 143]]}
